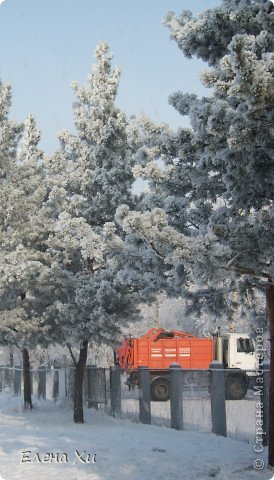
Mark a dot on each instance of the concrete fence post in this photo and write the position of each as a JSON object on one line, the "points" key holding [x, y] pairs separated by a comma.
{"points": [[176, 396], [91, 386], [144, 395], [17, 379], [62, 383], [55, 386], [217, 394], [42, 381], [8, 377], [115, 391], [266, 380], [2, 383]]}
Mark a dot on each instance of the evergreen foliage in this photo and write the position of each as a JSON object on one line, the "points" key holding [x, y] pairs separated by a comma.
{"points": [[24, 263], [89, 176], [210, 212]]}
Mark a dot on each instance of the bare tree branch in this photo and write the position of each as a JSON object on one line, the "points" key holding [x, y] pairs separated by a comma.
{"points": [[237, 256], [245, 271], [160, 255], [71, 354]]}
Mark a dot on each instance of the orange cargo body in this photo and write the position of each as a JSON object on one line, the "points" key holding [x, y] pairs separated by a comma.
{"points": [[158, 353], [189, 353]]}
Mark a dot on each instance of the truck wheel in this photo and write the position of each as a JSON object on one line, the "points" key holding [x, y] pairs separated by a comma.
{"points": [[160, 389], [236, 386]]}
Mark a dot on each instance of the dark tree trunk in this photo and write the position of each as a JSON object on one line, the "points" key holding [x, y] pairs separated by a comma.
{"points": [[270, 314], [11, 357], [78, 383], [26, 380]]}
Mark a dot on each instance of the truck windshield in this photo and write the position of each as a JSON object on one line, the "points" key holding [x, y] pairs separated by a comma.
{"points": [[245, 345]]}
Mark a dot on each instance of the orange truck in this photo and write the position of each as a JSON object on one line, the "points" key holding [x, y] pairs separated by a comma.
{"points": [[159, 348]]}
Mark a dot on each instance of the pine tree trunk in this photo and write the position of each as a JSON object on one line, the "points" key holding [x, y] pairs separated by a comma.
{"points": [[26, 380], [270, 314], [78, 383], [11, 357]]}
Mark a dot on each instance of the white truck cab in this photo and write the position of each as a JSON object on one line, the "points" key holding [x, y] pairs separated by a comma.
{"points": [[238, 351]]}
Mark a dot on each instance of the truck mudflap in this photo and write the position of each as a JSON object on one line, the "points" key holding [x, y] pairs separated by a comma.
{"points": [[131, 381]]}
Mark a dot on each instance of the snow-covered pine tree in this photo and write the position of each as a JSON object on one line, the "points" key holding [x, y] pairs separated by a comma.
{"points": [[89, 176], [196, 183], [239, 120], [97, 159], [25, 264], [10, 132], [222, 235]]}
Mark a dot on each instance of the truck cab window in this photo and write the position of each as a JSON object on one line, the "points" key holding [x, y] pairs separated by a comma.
{"points": [[245, 345]]}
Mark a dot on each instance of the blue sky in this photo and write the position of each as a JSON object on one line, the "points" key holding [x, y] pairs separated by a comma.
{"points": [[46, 44]]}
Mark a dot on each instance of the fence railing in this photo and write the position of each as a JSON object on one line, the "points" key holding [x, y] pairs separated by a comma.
{"points": [[56, 383], [197, 400]]}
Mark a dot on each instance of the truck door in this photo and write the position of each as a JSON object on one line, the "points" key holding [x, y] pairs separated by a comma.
{"points": [[244, 354]]}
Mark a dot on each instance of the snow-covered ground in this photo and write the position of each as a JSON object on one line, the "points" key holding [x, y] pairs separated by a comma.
{"points": [[124, 450]]}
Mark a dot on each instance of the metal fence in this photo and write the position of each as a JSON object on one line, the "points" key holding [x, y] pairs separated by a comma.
{"points": [[45, 382], [199, 404], [56, 383], [197, 400]]}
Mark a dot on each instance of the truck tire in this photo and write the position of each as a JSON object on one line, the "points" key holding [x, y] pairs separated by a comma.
{"points": [[236, 386], [160, 389]]}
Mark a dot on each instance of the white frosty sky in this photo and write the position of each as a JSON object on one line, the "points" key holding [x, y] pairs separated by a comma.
{"points": [[48, 44]]}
